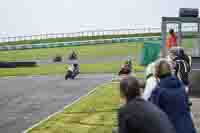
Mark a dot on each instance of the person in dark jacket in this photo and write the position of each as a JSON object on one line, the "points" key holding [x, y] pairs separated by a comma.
{"points": [[170, 96], [138, 115], [181, 65]]}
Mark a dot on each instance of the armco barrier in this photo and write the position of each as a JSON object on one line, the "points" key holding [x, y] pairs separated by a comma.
{"points": [[116, 40], [7, 65], [78, 43], [17, 64], [108, 41], [25, 64]]}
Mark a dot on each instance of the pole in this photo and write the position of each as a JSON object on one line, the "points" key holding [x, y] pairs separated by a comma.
{"points": [[163, 45], [198, 45], [198, 27], [179, 34]]}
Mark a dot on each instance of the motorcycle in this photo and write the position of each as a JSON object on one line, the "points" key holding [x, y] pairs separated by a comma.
{"points": [[125, 70], [72, 72]]}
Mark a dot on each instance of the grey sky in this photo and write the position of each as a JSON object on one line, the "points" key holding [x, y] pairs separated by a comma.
{"points": [[20, 17]]}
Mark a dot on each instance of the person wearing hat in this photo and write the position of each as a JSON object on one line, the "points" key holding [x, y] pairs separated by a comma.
{"points": [[138, 115], [170, 96]]}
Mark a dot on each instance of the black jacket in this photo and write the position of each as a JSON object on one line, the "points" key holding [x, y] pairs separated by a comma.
{"points": [[182, 68], [140, 116]]}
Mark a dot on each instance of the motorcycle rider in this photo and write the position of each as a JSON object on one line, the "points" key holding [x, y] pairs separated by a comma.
{"points": [[126, 67], [73, 55], [73, 64]]}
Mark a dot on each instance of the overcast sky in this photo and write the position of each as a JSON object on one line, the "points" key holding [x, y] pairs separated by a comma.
{"points": [[19, 17]]}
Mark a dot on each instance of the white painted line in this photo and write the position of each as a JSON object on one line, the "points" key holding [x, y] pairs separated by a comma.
{"points": [[67, 106], [196, 69], [27, 76], [7, 77], [115, 82], [195, 99]]}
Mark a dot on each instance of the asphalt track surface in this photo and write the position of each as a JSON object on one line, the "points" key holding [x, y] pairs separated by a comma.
{"points": [[196, 66], [86, 60], [26, 100]]}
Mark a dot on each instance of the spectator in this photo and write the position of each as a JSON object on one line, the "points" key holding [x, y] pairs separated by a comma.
{"points": [[138, 115], [181, 65], [171, 40], [170, 96], [151, 81]]}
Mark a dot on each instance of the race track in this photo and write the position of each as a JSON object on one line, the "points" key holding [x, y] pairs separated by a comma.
{"points": [[27, 100]]}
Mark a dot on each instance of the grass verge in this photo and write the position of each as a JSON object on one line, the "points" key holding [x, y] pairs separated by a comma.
{"points": [[61, 69], [105, 97], [92, 51]]}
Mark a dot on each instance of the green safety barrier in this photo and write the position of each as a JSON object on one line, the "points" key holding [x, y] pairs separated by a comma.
{"points": [[108, 41], [150, 52], [131, 39], [36, 46], [123, 39], [60, 45], [100, 41], [83, 42], [75, 43], [78, 43], [115, 40]]}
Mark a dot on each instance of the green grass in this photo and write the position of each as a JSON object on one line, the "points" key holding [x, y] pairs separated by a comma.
{"points": [[53, 69], [188, 43], [52, 40], [105, 97], [92, 51], [86, 52]]}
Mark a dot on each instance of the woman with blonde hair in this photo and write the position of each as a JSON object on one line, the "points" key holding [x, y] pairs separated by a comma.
{"points": [[151, 81]]}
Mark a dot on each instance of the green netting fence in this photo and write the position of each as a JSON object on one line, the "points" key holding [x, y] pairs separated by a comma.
{"points": [[150, 52]]}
